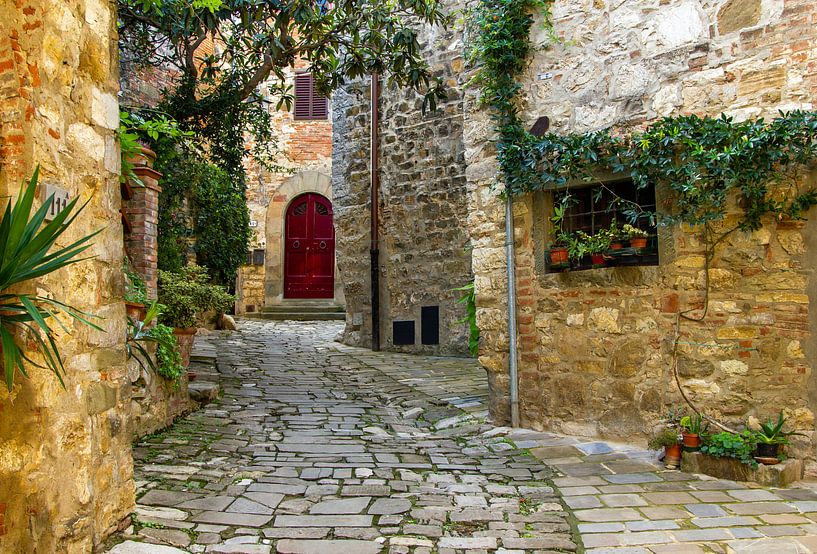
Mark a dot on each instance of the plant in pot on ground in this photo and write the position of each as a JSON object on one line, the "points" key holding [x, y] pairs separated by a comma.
{"points": [[667, 439], [692, 429], [25, 254], [186, 295], [770, 438]]}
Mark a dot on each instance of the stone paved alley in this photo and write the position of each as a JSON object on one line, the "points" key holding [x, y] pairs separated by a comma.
{"points": [[316, 447]]}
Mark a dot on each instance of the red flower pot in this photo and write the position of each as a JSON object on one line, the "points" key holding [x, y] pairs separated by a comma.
{"points": [[135, 310], [558, 255], [598, 259], [638, 242], [672, 456], [616, 245], [185, 337], [692, 441]]}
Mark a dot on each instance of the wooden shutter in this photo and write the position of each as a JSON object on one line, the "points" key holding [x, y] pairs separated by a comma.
{"points": [[308, 103]]}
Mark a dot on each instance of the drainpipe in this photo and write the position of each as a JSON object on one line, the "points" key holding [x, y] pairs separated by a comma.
{"points": [[512, 351], [374, 249]]}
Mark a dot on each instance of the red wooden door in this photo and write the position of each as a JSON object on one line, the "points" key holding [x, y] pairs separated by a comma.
{"points": [[309, 251]]}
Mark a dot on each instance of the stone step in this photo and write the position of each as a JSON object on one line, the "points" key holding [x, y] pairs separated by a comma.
{"points": [[302, 308], [297, 316]]}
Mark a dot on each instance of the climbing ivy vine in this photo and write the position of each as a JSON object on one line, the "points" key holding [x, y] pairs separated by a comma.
{"points": [[701, 161]]}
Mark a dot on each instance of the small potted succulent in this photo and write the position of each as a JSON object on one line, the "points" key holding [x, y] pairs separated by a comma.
{"points": [[770, 438], [638, 237], [692, 427], [667, 439]]}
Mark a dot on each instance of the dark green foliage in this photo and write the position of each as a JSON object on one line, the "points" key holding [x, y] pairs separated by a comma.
{"points": [[168, 356], [200, 200], [187, 294], [469, 298], [222, 224], [665, 438], [731, 445], [26, 241], [701, 161], [772, 431], [135, 287]]}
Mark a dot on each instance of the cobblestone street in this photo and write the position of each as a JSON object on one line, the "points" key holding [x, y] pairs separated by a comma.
{"points": [[315, 447]]}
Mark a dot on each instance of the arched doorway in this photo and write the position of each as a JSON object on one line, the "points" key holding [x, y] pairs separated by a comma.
{"points": [[309, 248]]}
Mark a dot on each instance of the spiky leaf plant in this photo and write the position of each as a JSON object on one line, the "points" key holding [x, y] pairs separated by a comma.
{"points": [[26, 243]]}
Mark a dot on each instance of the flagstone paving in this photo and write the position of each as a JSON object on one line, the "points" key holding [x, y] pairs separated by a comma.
{"points": [[317, 447]]}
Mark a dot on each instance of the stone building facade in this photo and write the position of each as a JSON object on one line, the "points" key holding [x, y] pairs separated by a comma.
{"points": [[424, 245], [66, 472], [303, 166], [595, 346]]}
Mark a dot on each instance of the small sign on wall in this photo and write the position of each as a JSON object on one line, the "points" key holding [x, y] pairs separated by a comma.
{"points": [[59, 200], [253, 223]]}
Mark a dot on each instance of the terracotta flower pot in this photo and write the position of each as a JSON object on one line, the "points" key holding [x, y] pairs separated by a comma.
{"points": [[558, 255], [616, 245], [638, 242], [135, 310], [597, 259], [692, 440], [672, 456], [185, 337]]}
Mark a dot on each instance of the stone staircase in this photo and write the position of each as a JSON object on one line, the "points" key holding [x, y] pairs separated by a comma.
{"points": [[301, 310]]}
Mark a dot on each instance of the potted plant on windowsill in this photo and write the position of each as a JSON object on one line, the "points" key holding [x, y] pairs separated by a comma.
{"points": [[638, 237], [667, 439], [770, 439], [616, 238], [692, 427], [186, 295], [596, 245], [558, 253]]}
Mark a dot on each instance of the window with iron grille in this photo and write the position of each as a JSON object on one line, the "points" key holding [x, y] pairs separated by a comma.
{"points": [[594, 208], [309, 103]]}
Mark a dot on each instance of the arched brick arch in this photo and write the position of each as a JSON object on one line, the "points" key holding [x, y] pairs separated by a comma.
{"points": [[298, 184]]}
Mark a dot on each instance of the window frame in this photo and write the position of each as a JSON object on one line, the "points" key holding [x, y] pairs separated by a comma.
{"points": [[314, 100]]}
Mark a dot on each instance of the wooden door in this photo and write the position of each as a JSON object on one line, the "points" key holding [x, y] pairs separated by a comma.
{"points": [[309, 251]]}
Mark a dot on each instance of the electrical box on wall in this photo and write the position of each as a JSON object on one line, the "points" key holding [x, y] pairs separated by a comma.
{"points": [[59, 200]]}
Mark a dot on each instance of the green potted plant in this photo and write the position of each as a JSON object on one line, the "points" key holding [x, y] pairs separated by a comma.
{"points": [[667, 439], [596, 245], [558, 252], [136, 297], [637, 237], [616, 238], [142, 333], [186, 295], [692, 427], [770, 438]]}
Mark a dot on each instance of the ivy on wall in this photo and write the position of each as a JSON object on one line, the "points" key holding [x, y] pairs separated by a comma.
{"points": [[701, 161]]}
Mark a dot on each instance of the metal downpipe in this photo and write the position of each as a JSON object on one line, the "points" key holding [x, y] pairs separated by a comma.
{"points": [[374, 249], [513, 372]]}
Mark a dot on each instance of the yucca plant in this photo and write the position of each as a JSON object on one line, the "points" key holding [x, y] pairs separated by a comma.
{"points": [[25, 244]]}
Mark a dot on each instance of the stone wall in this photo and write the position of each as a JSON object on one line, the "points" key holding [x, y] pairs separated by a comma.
{"points": [[596, 346], [424, 247], [65, 455]]}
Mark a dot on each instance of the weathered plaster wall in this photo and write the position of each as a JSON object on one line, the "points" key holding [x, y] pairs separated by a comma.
{"points": [[596, 345], [424, 248], [65, 455]]}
